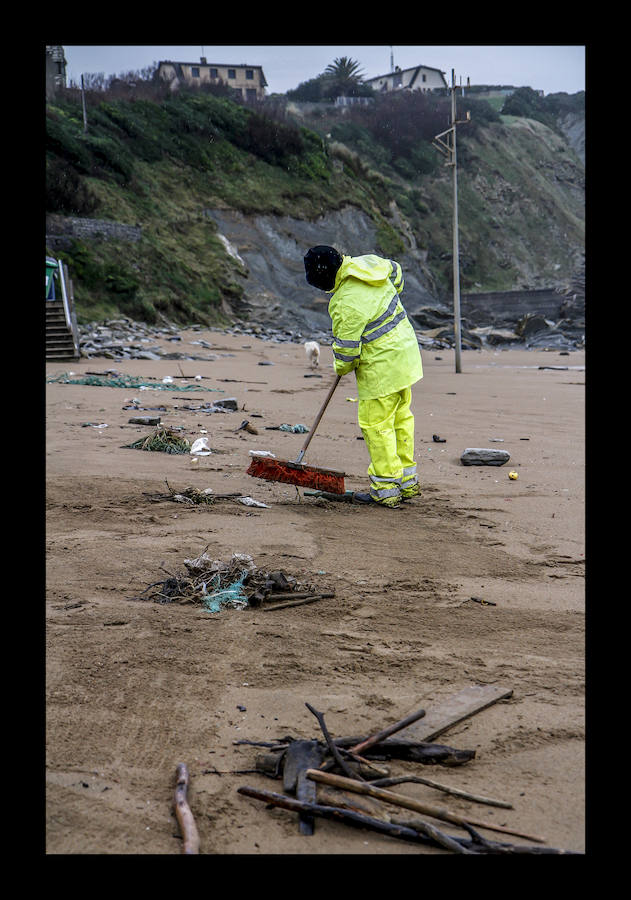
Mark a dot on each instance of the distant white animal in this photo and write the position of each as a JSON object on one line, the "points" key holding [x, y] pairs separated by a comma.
{"points": [[312, 349]]}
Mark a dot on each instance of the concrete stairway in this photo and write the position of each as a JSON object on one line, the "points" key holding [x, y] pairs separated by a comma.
{"points": [[60, 343]]}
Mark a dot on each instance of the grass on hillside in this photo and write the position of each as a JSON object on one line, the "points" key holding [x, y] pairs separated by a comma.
{"points": [[161, 165]]}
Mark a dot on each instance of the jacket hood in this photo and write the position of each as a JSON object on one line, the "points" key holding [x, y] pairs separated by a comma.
{"points": [[370, 268]]}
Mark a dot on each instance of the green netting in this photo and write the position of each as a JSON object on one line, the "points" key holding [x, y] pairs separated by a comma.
{"points": [[125, 381], [163, 439]]}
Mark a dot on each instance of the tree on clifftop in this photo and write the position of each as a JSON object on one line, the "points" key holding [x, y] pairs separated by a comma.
{"points": [[343, 78]]}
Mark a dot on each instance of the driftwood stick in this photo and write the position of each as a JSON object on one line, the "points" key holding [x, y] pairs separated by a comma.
{"points": [[275, 745], [437, 812], [482, 845], [427, 754], [391, 729], [418, 779], [334, 751], [183, 812], [336, 813], [366, 806], [310, 599], [439, 837], [393, 829], [362, 761]]}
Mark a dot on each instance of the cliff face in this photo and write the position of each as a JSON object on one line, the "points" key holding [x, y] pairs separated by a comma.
{"points": [[521, 227], [271, 250], [521, 199], [573, 127], [226, 237]]}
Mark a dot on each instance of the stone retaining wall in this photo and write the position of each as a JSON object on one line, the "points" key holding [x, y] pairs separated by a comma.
{"points": [[507, 307], [61, 229]]}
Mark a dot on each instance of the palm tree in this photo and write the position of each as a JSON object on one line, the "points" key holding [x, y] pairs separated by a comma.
{"points": [[343, 77]]}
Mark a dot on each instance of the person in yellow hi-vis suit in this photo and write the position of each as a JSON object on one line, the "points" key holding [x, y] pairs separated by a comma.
{"points": [[373, 336]]}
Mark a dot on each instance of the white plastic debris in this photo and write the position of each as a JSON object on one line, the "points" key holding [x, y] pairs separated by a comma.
{"points": [[200, 447], [199, 563], [266, 453], [167, 380], [248, 501], [244, 559]]}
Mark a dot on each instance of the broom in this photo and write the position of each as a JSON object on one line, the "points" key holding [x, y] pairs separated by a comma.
{"points": [[297, 473]]}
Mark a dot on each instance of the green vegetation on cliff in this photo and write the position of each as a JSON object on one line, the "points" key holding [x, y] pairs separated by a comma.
{"points": [[162, 163]]}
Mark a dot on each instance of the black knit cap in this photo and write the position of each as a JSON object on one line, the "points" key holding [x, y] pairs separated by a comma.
{"points": [[321, 265]]}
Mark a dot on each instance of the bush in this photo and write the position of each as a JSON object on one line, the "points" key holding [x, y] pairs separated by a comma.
{"points": [[270, 140], [63, 139], [311, 91], [110, 155], [66, 192], [529, 104], [133, 122]]}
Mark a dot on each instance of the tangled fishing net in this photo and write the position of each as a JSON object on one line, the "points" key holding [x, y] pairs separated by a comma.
{"points": [[124, 381], [163, 439]]}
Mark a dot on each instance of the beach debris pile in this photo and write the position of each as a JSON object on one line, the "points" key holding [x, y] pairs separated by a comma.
{"points": [[347, 780], [117, 379], [163, 440], [205, 497], [299, 428], [237, 583], [191, 495], [221, 405]]}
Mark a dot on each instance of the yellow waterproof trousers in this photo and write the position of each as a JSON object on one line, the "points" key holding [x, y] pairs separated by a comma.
{"points": [[387, 424]]}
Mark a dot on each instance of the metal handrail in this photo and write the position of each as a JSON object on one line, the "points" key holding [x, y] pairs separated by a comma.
{"points": [[64, 294]]}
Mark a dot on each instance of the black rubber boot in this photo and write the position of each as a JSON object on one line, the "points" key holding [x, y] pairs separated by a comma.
{"points": [[360, 497]]}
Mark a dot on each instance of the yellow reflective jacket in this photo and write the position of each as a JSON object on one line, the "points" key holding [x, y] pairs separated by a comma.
{"points": [[371, 331]]}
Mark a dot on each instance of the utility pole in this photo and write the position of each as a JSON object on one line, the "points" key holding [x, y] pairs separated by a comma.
{"points": [[448, 149], [85, 115]]}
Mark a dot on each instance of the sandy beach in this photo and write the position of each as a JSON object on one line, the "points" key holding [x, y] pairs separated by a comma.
{"points": [[133, 687]]}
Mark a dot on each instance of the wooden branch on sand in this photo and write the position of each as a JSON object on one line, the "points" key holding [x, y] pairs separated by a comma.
{"points": [[455, 792], [310, 598], [436, 812], [386, 732], [415, 834], [331, 745], [428, 754], [332, 812], [183, 812]]}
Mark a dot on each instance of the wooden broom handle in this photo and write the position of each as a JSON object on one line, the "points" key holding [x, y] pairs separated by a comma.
{"points": [[317, 420]]}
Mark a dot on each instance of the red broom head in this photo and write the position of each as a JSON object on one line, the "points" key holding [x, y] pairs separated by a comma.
{"points": [[295, 473]]}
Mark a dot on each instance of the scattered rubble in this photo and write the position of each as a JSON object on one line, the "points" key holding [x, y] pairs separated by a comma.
{"points": [[124, 338]]}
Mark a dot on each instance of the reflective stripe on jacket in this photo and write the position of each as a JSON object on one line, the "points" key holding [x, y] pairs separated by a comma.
{"points": [[371, 331]]}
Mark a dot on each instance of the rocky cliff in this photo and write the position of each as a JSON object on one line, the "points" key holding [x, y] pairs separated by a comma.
{"points": [[225, 236]]}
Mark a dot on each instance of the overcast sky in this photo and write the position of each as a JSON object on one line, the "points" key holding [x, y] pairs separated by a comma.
{"points": [[550, 68]]}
